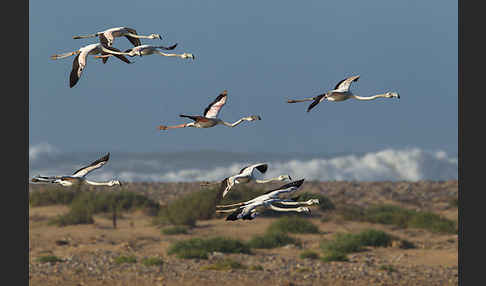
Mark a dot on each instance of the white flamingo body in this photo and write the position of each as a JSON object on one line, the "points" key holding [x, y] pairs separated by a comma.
{"points": [[247, 210], [248, 174], [209, 118], [79, 176], [80, 61], [145, 50], [341, 93], [107, 37]]}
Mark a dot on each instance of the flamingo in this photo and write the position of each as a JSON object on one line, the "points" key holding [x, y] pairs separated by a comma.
{"points": [[80, 61], [144, 50], [78, 177], [247, 210], [341, 92], [209, 118], [246, 175], [107, 37]]}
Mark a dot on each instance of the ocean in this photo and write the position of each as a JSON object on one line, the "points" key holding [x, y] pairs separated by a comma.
{"points": [[409, 164]]}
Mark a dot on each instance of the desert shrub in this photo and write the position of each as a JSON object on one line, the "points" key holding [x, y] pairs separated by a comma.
{"points": [[347, 242], [309, 254], [78, 214], [200, 248], [387, 267], [255, 267], [405, 244], [351, 212], [334, 256], [293, 224], [376, 238], [343, 243], [401, 217], [52, 196], [151, 261], [49, 259], [224, 264], [125, 259], [122, 200], [324, 202], [272, 240], [176, 229], [186, 210], [432, 222]]}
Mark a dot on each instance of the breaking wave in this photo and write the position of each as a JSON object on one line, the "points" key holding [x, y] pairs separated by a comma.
{"points": [[411, 164]]}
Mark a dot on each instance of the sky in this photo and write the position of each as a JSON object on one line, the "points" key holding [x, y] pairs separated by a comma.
{"points": [[263, 53]]}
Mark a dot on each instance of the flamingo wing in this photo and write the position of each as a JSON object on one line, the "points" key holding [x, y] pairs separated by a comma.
{"points": [[214, 107], [93, 166], [345, 83], [135, 41], [262, 167], [316, 101]]}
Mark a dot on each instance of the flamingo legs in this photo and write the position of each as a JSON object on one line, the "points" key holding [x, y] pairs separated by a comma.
{"points": [[301, 100], [85, 36], [64, 55], [164, 127]]}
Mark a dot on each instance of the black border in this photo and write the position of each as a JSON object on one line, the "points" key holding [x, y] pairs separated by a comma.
{"points": [[15, 130], [471, 189]]}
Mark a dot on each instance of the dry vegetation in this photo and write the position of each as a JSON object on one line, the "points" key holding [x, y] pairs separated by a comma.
{"points": [[370, 233]]}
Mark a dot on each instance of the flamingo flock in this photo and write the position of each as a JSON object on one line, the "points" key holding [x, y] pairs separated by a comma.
{"points": [[246, 210]]}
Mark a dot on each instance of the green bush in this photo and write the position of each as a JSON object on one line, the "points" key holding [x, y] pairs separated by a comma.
{"points": [[177, 229], [255, 267], [376, 238], [78, 214], [401, 217], [125, 259], [432, 222], [334, 256], [200, 248], [224, 264], [309, 254], [388, 268], [122, 200], [272, 240], [186, 210], [49, 259], [343, 243], [293, 224], [151, 261], [192, 253], [347, 242], [86, 204], [51, 196]]}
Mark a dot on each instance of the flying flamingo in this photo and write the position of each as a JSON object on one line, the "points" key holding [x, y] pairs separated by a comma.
{"points": [[78, 177], [340, 93], [107, 37], [246, 175], [80, 60], [209, 118], [144, 50], [247, 210]]}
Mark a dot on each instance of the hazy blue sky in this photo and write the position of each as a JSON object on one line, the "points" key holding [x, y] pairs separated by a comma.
{"points": [[263, 53]]}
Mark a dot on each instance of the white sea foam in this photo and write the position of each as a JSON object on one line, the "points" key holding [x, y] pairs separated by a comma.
{"points": [[410, 164], [40, 149]]}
